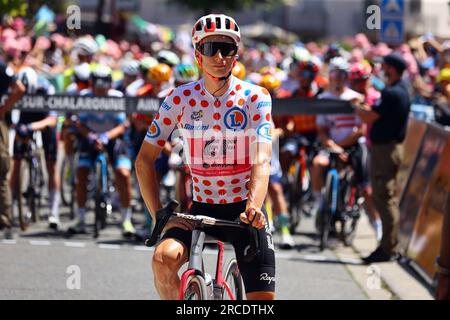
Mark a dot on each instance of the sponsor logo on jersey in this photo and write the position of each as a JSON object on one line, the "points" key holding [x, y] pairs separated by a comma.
{"points": [[265, 130], [263, 104], [197, 115], [203, 127], [154, 130], [235, 119], [164, 105]]}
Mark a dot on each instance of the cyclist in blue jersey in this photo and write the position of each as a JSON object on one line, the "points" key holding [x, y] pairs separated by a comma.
{"points": [[101, 131]]}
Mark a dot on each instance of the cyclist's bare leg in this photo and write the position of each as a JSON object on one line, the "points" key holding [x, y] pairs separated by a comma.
{"points": [[286, 159], [69, 140], [123, 185], [319, 163], [168, 258], [53, 177], [82, 174], [261, 295], [374, 216], [14, 179], [277, 197], [280, 209], [53, 187]]}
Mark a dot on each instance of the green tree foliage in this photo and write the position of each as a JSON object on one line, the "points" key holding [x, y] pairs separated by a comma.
{"points": [[28, 8]]}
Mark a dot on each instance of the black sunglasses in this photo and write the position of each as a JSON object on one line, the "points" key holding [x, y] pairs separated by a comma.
{"points": [[210, 48]]}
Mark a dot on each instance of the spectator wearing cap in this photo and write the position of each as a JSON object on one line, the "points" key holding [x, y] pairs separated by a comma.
{"points": [[389, 119]]}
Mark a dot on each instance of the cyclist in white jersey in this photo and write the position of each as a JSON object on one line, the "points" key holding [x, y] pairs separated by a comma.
{"points": [[341, 132], [217, 115]]}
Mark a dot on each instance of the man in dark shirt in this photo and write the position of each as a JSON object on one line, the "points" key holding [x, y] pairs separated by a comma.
{"points": [[16, 91], [389, 119]]}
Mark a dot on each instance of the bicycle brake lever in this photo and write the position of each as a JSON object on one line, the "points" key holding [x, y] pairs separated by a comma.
{"points": [[162, 216]]}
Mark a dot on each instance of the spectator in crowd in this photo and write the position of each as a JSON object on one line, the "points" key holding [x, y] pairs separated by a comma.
{"points": [[389, 119], [15, 88]]}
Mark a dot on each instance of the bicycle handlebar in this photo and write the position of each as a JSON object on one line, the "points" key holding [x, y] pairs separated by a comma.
{"points": [[163, 215]]}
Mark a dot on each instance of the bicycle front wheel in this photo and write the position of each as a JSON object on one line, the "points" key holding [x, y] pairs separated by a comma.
{"points": [[67, 186], [234, 281], [21, 194], [100, 203], [326, 215], [195, 289]]}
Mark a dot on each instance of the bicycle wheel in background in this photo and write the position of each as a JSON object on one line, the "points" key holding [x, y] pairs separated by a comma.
{"points": [[295, 198], [351, 209], [28, 195], [20, 196], [234, 280], [195, 289], [100, 203], [67, 186], [326, 214]]}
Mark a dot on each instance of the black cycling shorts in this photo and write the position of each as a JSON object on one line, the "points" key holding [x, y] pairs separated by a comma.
{"points": [[359, 160], [259, 274], [49, 141]]}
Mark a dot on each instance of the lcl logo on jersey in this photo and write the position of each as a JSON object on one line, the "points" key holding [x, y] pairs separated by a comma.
{"points": [[154, 130], [235, 119], [265, 130]]}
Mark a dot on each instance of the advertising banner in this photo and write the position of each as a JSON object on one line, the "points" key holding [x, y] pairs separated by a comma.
{"points": [[419, 182]]}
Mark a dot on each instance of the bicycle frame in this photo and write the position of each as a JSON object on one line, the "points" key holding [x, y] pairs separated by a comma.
{"points": [[333, 173], [101, 199], [101, 158], [196, 263], [195, 266], [36, 179]]}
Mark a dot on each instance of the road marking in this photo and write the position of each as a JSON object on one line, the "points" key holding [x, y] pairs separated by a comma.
{"points": [[143, 248], [4, 241], [109, 246], [283, 255], [40, 243], [75, 244], [315, 257], [351, 260]]}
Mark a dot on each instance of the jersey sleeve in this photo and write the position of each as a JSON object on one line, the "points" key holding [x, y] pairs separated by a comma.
{"points": [[83, 117], [164, 121], [260, 114], [322, 121], [120, 118]]}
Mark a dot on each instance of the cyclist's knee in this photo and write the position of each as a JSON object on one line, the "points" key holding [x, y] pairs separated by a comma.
{"points": [[277, 187], [169, 256], [123, 173], [320, 161]]}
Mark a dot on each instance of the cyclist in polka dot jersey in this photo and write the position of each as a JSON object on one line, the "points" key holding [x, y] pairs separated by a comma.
{"points": [[192, 108], [226, 127]]}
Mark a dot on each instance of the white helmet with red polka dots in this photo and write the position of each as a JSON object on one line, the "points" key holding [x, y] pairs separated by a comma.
{"points": [[215, 24]]}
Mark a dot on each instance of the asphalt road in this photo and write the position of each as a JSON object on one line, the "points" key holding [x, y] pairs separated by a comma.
{"points": [[44, 264]]}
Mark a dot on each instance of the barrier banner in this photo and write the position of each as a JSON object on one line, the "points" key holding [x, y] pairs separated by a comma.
{"points": [[425, 244], [414, 135], [418, 184], [443, 276], [65, 103]]}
